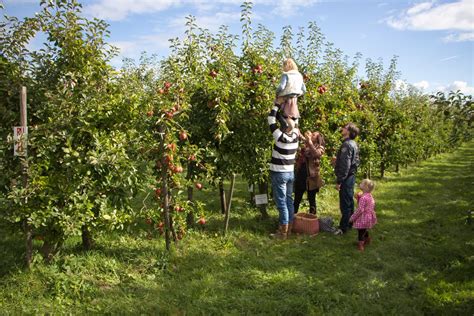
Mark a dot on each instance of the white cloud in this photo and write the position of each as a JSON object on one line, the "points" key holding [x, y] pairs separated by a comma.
{"points": [[287, 8], [211, 22], [401, 85], [429, 16], [116, 10], [457, 85], [422, 85], [152, 44], [419, 8], [461, 37]]}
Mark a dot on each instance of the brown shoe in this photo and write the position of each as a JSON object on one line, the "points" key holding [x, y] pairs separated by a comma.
{"points": [[290, 229], [360, 246], [281, 233]]}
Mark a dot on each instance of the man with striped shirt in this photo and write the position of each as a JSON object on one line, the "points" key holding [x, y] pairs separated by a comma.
{"points": [[282, 170]]}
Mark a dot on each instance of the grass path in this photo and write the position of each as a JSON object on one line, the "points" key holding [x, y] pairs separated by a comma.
{"points": [[421, 261]]}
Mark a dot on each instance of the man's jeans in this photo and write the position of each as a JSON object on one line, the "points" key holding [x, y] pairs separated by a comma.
{"points": [[346, 202], [282, 187]]}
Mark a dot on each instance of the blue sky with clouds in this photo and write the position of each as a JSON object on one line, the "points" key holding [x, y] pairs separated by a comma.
{"points": [[434, 40]]}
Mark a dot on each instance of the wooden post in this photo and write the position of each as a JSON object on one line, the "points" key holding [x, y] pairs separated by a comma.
{"points": [[24, 163], [222, 196], [164, 187], [229, 202]]}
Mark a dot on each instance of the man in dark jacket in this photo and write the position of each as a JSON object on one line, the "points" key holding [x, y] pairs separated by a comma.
{"points": [[345, 167]]}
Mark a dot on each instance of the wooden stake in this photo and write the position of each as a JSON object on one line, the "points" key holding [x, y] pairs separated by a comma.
{"points": [[24, 162], [229, 202]]}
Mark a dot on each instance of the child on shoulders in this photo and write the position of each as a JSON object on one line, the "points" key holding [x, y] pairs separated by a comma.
{"points": [[290, 88]]}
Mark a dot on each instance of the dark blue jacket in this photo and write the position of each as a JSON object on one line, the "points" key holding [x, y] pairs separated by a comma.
{"points": [[347, 160]]}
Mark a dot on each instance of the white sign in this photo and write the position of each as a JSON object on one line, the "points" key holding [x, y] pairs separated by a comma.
{"points": [[20, 134], [261, 199]]}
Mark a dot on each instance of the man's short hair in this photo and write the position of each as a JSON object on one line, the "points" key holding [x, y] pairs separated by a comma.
{"points": [[353, 130]]}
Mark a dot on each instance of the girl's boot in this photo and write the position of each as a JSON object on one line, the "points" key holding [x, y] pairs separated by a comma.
{"points": [[360, 245], [367, 241]]}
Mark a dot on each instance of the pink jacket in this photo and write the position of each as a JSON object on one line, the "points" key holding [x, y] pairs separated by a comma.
{"points": [[365, 216]]}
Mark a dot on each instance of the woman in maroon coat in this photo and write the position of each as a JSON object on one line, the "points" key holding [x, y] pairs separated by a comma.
{"points": [[308, 178]]}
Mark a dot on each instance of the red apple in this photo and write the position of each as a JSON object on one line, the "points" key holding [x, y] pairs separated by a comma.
{"points": [[198, 186], [167, 85], [213, 73], [178, 208], [202, 221], [149, 113], [161, 91], [169, 114], [171, 146], [149, 221], [183, 135], [192, 158], [160, 225], [322, 89], [158, 192], [178, 169]]}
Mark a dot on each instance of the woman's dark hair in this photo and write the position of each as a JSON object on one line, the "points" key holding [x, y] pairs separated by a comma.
{"points": [[353, 130]]}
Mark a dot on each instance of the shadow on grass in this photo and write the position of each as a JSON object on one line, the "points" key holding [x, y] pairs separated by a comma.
{"points": [[420, 261]]}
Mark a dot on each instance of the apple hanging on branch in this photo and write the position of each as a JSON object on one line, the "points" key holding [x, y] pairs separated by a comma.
{"points": [[183, 135], [322, 89]]}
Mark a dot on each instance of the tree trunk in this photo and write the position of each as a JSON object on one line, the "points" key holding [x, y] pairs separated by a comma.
{"points": [[190, 214], [51, 247], [222, 196], [263, 189], [382, 169], [252, 194], [87, 240], [28, 243], [173, 231]]}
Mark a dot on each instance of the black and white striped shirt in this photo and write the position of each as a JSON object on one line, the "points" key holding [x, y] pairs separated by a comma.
{"points": [[285, 147]]}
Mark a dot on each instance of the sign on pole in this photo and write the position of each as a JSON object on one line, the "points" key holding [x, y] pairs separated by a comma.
{"points": [[20, 135]]}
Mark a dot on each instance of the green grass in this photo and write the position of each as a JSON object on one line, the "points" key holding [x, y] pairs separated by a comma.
{"points": [[421, 260]]}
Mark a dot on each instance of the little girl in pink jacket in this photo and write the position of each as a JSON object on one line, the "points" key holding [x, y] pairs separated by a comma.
{"points": [[364, 218]]}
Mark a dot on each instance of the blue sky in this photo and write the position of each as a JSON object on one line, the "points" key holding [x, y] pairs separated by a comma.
{"points": [[434, 40]]}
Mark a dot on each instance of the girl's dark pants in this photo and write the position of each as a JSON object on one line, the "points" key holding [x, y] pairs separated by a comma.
{"points": [[363, 234]]}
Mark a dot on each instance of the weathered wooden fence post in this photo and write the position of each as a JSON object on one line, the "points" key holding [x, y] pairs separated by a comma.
{"points": [[22, 151]]}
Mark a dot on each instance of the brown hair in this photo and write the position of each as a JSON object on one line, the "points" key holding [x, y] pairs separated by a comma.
{"points": [[353, 130], [318, 138]]}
